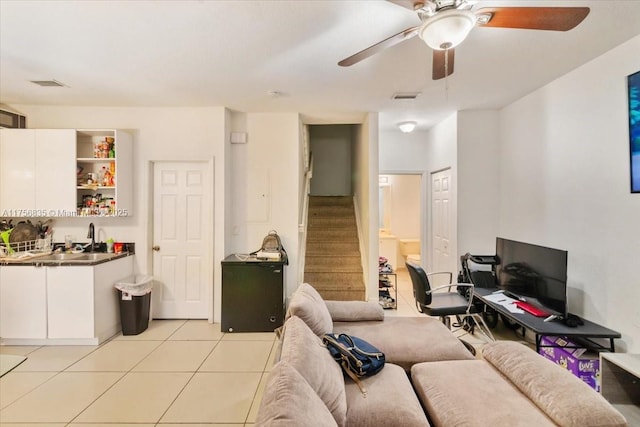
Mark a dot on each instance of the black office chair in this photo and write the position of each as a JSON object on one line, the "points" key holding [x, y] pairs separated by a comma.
{"points": [[445, 304]]}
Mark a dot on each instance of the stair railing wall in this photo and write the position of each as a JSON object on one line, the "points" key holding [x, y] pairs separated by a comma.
{"points": [[304, 221], [363, 260]]}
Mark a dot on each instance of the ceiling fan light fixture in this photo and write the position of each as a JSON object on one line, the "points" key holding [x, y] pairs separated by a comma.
{"points": [[407, 127], [447, 28]]}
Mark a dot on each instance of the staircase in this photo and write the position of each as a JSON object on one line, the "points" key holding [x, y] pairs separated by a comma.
{"points": [[333, 265]]}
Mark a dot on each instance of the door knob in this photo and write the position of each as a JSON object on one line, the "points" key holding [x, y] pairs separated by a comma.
{"points": [[156, 248]]}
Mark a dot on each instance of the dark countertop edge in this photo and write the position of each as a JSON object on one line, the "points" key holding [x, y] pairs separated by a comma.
{"points": [[53, 263]]}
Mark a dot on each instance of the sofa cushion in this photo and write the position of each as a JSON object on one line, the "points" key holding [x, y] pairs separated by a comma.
{"points": [[307, 304], [406, 341], [288, 400], [354, 311], [303, 350], [564, 397], [390, 400], [471, 393]]}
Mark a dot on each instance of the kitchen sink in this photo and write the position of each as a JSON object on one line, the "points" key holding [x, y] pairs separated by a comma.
{"points": [[93, 257], [81, 258], [60, 257]]}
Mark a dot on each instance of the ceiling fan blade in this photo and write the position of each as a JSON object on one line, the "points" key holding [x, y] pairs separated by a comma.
{"points": [[384, 44], [439, 60], [534, 18]]}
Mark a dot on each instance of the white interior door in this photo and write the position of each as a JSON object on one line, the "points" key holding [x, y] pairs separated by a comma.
{"points": [[182, 262], [441, 222]]}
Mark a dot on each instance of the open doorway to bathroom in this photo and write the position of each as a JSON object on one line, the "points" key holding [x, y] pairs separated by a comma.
{"points": [[401, 214]]}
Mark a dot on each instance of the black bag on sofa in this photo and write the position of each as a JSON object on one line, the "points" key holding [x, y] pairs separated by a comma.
{"points": [[357, 357]]}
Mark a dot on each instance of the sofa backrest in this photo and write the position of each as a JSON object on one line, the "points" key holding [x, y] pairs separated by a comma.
{"points": [[289, 401], [308, 305], [306, 353], [565, 398]]}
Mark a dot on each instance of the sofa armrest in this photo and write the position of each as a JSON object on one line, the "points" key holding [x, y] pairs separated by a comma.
{"points": [[354, 311]]}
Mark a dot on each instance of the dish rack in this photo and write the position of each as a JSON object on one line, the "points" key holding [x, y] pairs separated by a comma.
{"points": [[16, 249]]}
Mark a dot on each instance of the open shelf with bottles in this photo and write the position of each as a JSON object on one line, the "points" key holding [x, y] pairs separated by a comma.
{"points": [[104, 173]]}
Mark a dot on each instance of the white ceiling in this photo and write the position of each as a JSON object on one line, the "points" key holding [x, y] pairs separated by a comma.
{"points": [[232, 53]]}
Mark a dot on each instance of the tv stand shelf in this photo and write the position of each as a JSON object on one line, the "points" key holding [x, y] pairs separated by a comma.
{"points": [[588, 334]]}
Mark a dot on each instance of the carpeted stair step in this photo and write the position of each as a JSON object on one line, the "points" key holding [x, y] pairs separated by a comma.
{"points": [[332, 234], [331, 221], [332, 262], [320, 247]]}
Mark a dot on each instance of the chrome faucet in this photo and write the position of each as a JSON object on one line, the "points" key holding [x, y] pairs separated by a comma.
{"points": [[92, 235]]}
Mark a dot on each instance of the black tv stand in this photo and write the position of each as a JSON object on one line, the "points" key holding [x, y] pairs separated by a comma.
{"points": [[584, 335]]}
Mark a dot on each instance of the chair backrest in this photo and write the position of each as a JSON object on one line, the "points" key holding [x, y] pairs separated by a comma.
{"points": [[420, 284]]}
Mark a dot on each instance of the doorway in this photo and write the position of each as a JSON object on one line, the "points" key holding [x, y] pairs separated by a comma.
{"points": [[401, 216], [182, 229]]}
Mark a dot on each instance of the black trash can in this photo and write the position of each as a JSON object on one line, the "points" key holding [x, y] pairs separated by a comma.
{"points": [[134, 295]]}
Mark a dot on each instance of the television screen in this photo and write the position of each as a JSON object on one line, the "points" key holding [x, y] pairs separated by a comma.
{"points": [[537, 273], [633, 85]]}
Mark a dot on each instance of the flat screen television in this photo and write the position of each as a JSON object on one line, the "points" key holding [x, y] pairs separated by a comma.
{"points": [[633, 86], [537, 273]]}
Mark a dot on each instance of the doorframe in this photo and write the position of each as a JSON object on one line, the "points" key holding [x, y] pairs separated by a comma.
{"points": [[424, 212], [212, 269]]}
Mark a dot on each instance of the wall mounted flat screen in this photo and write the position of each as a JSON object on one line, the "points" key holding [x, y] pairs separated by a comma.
{"points": [[633, 86], [537, 273]]}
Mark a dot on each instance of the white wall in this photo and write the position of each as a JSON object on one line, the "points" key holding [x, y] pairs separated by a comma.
{"points": [[441, 154], [331, 148], [264, 181], [564, 170], [401, 152], [365, 191], [478, 181]]}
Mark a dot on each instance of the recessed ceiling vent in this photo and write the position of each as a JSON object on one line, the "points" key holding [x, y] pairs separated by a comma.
{"points": [[48, 83], [405, 95]]}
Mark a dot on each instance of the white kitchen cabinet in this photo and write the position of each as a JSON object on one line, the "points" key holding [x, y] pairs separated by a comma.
{"points": [[70, 302], [23, 302], [82, 301], [61, 305], [37, 172], [116, 197]]}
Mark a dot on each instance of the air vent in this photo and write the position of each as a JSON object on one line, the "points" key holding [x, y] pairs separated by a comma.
{"points": [[405, 95], [48, 83]]}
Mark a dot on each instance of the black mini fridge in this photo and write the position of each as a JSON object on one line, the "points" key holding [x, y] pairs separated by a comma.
{"points": [[252, 294]]}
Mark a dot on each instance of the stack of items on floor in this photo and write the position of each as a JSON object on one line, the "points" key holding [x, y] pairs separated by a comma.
{"points": [[429, 377], [386, 300]]}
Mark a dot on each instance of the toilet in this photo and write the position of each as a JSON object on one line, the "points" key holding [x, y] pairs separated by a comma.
{"points": [[410, 250]]}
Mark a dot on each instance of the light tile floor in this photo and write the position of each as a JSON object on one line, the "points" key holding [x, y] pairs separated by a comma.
{"points": [[175, 373]]}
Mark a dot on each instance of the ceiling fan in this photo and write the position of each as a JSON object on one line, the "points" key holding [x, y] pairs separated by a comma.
{"points": [[446, 23]]}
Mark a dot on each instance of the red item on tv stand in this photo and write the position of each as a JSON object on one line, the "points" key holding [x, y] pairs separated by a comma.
{"points": [[531, 309]]}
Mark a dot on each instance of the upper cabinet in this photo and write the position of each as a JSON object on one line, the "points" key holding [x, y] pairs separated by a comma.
{"points": [[104, 173], [58, 172], [37, 172]]}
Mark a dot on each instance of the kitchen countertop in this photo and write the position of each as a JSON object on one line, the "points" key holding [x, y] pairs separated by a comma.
{"points": [[63, 259]]}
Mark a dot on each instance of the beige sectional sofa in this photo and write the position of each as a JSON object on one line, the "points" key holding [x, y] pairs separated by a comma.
{"points": [[429, 378]]}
